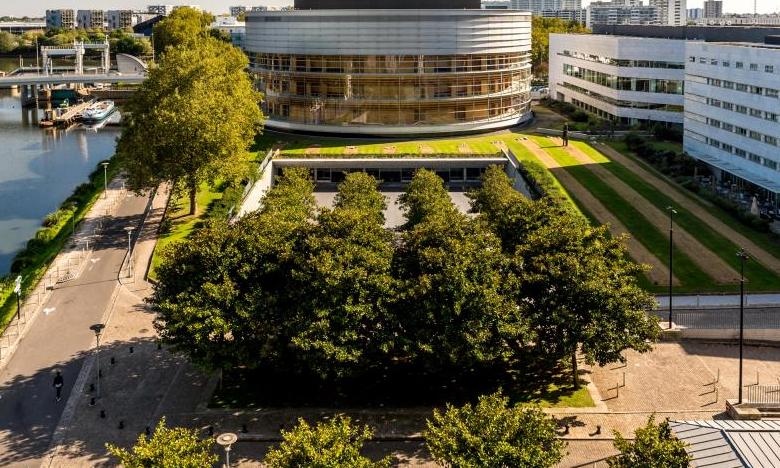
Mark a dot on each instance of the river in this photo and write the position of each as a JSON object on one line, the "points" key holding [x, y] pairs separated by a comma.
{"points": [[39, 169]]}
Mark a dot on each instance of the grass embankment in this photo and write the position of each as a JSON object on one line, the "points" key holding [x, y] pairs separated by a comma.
{"points": [[33, 261], [761, 278], [639, 227], [762, 239]]}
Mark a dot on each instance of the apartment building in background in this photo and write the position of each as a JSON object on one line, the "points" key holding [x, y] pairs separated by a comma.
{"points": [[670, 12], [120, 19], [713, 8], [695, 14], [615, 13], [60, 19], [91, 19]]}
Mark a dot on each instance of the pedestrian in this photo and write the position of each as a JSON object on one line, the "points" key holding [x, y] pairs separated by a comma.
{"points": [[58, 383], [565, 134]]}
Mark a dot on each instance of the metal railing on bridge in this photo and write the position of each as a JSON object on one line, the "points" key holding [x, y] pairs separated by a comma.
{"points": [[762, 394], [755, 318]]}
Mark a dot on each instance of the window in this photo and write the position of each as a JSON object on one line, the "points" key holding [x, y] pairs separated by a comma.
{"points": [[714, 82], [727, 148], [770, 140], [727, 127], [756, 90], [692, 59], [770, 116], [738, 65], [769, 92], [702, 60], [741, 109], [740, 131], [728, 84], [714, 143], [728, 106], [713, 62], [770, 164], [753, 67], [754, 157], [740, 152], [755, 113], [714, 103], [742, 87], [714, 123], [755, 135], [769, 68], [726, 63]]}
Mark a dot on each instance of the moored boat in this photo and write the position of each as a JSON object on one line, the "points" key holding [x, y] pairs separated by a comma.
{"points": [[98, 111]]}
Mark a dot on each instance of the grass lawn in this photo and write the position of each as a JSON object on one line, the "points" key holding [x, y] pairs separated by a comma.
{"points": [[692, 278], [182, 224], [298, 145], [761, 278]]}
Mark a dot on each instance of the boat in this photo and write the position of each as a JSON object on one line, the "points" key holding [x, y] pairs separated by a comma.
{"points": [[98, 111]]}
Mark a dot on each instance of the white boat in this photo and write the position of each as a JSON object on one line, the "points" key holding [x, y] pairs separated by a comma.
{"points": [[98, 111]]}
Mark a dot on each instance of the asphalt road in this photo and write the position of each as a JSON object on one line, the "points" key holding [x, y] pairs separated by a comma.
{"points": [[59, 340]]}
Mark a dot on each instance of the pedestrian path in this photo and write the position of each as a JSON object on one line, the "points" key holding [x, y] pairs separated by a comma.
{"points": [[717, 300]]}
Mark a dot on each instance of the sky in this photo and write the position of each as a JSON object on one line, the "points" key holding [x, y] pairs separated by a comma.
{"points": [[37, 8]]}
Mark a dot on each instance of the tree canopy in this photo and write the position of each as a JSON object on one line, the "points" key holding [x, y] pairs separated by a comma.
{"points": [[493, 434], [540, 39], [332, 444], [654, 446], [332, 293], [167, 447], [192, 120], [185, 26]]}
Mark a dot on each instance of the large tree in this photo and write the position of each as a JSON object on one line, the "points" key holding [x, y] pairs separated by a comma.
{"points": [[452, 305], [167, 447], [493, 434], [185, 26], [192, 120], [332, 444], [540, 39], [654, 446], [576, 281]]}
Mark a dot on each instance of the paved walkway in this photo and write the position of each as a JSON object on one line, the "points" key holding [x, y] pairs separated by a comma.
{"points": [[718, 300], [59, 338]]}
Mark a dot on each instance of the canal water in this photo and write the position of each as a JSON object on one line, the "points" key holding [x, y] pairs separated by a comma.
{"points": [[39, 169]]}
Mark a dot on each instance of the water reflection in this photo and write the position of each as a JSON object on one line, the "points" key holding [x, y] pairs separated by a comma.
{"points": [[38, 169]]}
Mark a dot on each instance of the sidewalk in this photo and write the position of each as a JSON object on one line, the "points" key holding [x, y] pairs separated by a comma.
{"points": [[718, 300]]}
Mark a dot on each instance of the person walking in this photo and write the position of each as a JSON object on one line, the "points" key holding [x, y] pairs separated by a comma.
{"points": [[565, 134], [58, 384]]}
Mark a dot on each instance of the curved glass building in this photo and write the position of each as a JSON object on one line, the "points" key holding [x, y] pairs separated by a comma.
{"points": [[390, 69]]}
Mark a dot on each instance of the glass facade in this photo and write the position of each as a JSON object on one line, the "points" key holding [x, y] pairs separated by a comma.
{"points": [[392, 90], [624, 83]]}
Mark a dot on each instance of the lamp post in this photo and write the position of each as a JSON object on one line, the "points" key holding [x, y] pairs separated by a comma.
{"points": [[226, 440], [98, 329], [105, 179], [672, 212], [743, 255], [129, 230]]}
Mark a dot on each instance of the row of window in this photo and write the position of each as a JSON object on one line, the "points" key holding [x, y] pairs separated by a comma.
{"points": [[623, 103], [730, 106], [737, 65], [623, 83], [752, 157], [745, 88], [752, 134], [624, 62]]}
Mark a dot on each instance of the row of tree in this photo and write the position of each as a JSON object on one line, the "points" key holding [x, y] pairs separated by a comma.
{"points": [[334, 293], [121, 41], [491, 433]]}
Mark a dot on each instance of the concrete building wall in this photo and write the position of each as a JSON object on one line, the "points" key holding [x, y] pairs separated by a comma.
{"points": [[60, 19], [624, 59], [732, 109]]}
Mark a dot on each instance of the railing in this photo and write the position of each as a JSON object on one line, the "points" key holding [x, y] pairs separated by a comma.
{"points": [[762, 394], [758, 318]]}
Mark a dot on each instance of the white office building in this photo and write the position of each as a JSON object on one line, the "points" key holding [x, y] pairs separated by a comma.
{"points": [[732, 109], [613, 13], [625, 79]]}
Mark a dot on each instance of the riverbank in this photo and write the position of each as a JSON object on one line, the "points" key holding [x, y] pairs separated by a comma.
{"points": [[32, 262]]}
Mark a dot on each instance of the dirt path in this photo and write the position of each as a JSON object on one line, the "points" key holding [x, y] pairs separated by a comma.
{"points": [[672, 191], [659, 273], [706, 259]]}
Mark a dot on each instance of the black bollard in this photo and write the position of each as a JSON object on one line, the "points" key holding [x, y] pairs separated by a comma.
{"points": [[244, 429], [211, 430], [148, 431], [113, 361], [91, 387], [103, 414], [131, 350], [100, 373], [92, 401], [159, 345], [121, 424]]}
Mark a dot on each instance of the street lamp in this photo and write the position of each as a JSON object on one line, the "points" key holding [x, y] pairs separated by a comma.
{"points": [[98, 329], [743, 255], [105, 179], [672, 212], [129, 230], [226, 440]]}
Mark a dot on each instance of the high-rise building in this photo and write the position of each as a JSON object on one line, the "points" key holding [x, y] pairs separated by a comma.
{"points": [[670, 12], [60, 19], [536, 7], [120, 19], [713, 8], [338, 66], [611, 13], [91, 19], [695, 13]]}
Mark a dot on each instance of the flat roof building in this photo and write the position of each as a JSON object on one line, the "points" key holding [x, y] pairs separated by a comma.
{"points": [[396, 67], [91, 19], [60, 19]]}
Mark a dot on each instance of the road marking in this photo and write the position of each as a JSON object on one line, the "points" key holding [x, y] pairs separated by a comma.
{"points": [[49, 310]]}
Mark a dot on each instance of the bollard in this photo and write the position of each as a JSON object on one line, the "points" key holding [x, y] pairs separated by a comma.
{"points": [[147, 431], [100, 373], [103, 414], [244, 429], [131, 350], [159, 345], [92, 401], [121, 424], [91, 387], [113, 361], [211, 430]]}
